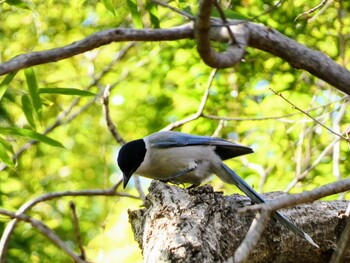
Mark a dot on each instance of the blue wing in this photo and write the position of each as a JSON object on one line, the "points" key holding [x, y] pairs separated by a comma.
{"points": [[225, 149]]}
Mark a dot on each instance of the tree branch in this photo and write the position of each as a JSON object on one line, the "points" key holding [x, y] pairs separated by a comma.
{"points": [[94, 41], [200, 109], [200, 225], [49, 196], [304, 197], [299, 56], [259, 36], [46, 231], [234, 52]]}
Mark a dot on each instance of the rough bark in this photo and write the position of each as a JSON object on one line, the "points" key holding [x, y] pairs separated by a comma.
{"points": [[200, 225]]}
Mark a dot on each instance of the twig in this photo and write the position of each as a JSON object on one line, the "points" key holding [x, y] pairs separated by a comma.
{"points": [[46, 231], [77, 230], [272, 117], [200, 108], [304, 197], [224, 20], [307, 114], [219, 128], [111, 126], [299, 151], [308, 12], [66, 116], [139, 188], [252, 237], [5, 238], [183, 13], [314, 164], [336, 149]]}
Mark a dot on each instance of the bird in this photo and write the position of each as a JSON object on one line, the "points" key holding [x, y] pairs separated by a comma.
{"points": [[180, 158]]}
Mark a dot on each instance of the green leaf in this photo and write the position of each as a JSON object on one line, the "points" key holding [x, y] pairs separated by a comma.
{"points": [[109, 6], [31, 135], [135, 14], [153, 12], [33, 91], [5, 83], [27, 108], [6, 145], [229, 14], [66, 91], [5, 149], [18, 3], [5, 157]]}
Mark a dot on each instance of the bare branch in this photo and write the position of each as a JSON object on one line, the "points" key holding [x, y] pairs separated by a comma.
{"points": [[46, 231], [224, 20], [200, 108], [174, 9], [336, 149], [305, 197], [234, 52], [49, 196], [111, 126], [260, 37], [253, 235], [299, 56], [77, 230], [308, 12], [307, 114], [312, 166], [94, 41], [139, 188]]}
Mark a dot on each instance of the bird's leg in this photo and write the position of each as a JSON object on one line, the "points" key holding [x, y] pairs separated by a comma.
{"points": [[169, 179]]}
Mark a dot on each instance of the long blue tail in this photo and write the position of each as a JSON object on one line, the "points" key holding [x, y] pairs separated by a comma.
{"points": [[256, 198]]}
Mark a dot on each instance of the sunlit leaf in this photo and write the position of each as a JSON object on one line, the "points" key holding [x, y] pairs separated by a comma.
{"points": [[5, 83], [33, 91], [109, 6], [153, 13], [5, 157], [66, 91], [18, 3], [30, 135], [6, 151], [135, 13], [28, 110], [6, 145]]}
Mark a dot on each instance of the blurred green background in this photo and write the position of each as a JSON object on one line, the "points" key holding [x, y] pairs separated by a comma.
{"points": [[154, 84]]}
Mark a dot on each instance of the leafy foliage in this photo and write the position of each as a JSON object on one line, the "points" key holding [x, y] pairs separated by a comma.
{"points": [[153, 85]]}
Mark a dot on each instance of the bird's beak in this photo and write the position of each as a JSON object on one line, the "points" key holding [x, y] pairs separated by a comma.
{"points": [[126, 178]]}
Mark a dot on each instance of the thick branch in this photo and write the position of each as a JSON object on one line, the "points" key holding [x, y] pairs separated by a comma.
{"points": [[94, 41], [260, 37], [200, 225], [234, 52], [299, 56]]}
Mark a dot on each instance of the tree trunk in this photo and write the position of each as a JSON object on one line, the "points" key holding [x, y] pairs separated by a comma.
{"points": [[200, 225]]}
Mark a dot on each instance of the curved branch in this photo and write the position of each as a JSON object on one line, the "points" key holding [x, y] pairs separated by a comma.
{"points": [[299, 56], [234, 52], [46, 231], [49, 196], [94, 41], [259, 36]]}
